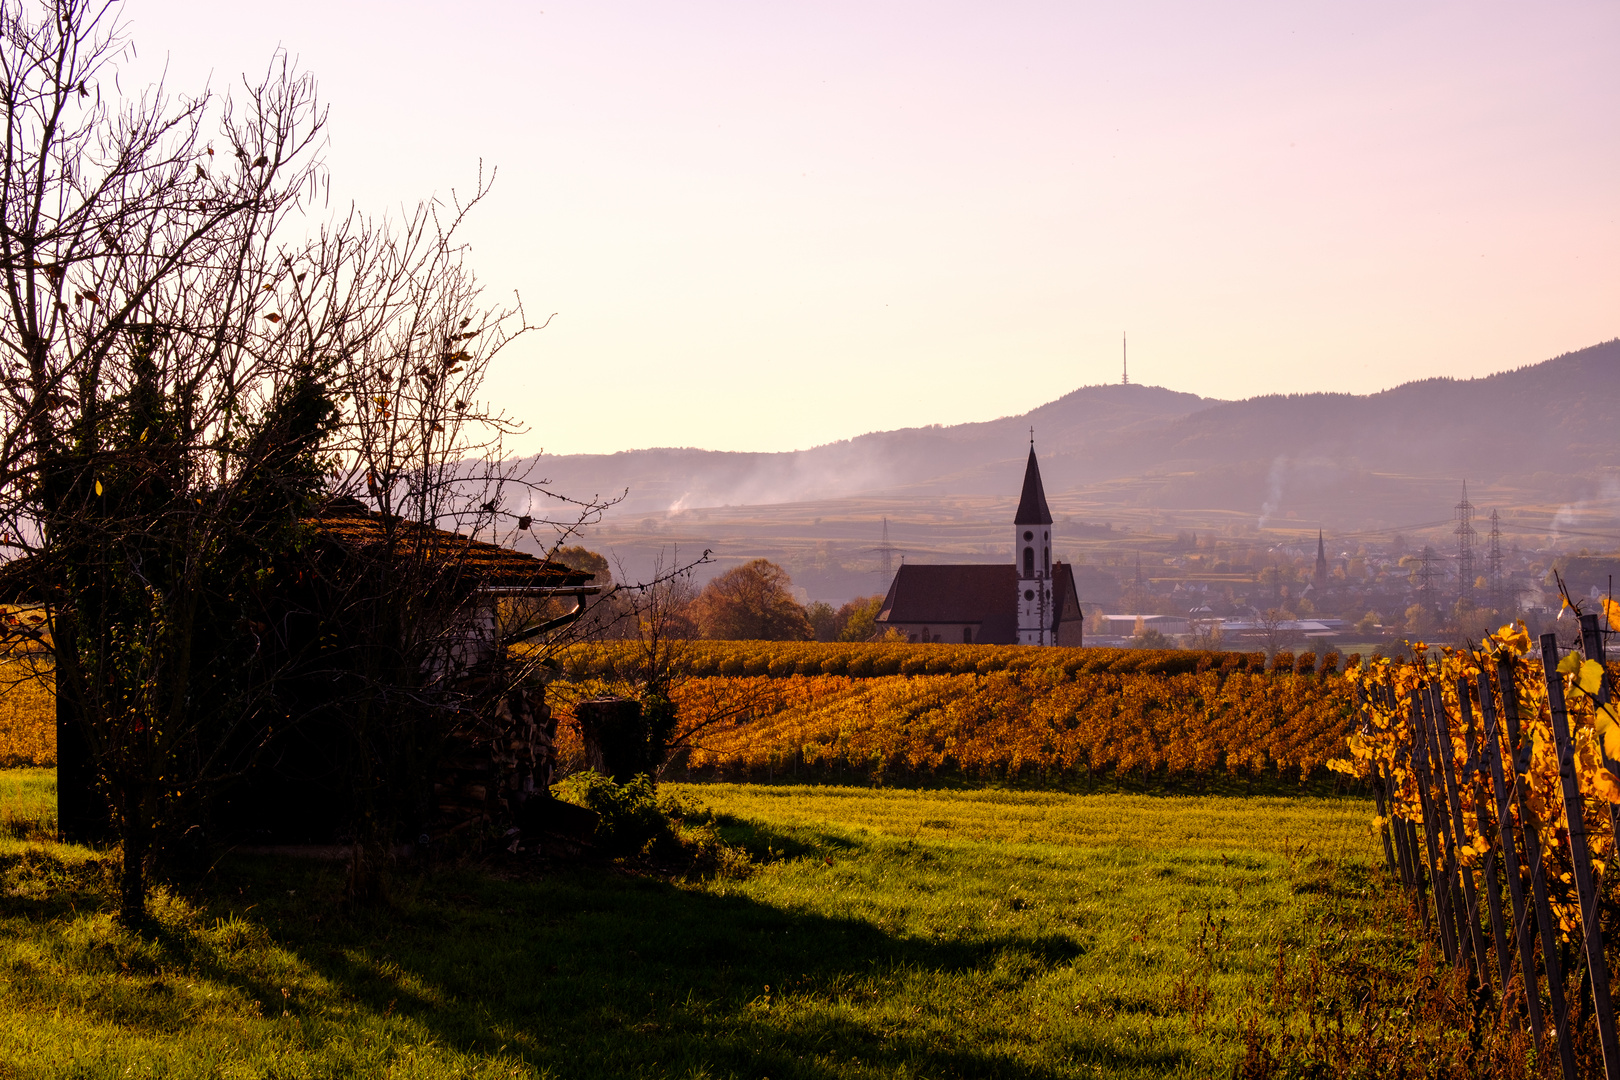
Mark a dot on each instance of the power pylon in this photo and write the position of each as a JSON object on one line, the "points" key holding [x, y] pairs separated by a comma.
{"points": [[885, 552], [1427, 595], [1493, 564], [1465, 546]]}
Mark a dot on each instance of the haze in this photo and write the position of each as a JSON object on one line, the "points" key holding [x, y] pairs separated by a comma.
{"points": [[772, 226]]}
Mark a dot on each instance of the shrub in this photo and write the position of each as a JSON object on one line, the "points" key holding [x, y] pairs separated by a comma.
{"points": [[635, 820]]}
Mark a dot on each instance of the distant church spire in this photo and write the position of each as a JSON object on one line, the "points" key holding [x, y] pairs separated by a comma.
{"points": [[1032, 558], [1321, 562], [1124, 361], [1032, 509]]}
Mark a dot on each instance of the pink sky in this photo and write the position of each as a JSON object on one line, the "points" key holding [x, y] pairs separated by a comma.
{"points": [[767, 226]]}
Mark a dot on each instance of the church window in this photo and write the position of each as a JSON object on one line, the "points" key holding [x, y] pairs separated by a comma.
{"points": [[1029, 594], [1029, 562], [1028, 535]]}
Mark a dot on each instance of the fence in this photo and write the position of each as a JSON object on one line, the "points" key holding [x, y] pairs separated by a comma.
{"points": [[1497, 768]]}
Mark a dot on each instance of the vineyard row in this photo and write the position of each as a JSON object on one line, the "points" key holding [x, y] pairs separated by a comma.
{"points": [[780, 659]]}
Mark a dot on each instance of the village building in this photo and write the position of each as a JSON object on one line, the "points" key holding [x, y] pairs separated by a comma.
{"points": [[1032, 601]]}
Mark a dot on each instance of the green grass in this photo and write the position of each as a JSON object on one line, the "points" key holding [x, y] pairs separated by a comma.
{"points": [[882, 934]]}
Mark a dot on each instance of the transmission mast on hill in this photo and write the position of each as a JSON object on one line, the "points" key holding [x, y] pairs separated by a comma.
{"points": [[1124, 361], [1465, 546]]}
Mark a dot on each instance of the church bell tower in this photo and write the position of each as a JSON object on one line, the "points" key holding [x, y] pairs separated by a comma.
{"points": [[1032, 556]]}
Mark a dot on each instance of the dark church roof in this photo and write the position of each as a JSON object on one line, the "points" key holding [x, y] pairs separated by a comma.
{"points": [[985, 594], [1032, 503]]}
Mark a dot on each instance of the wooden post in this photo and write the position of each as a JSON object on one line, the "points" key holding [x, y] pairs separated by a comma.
{"points": [[1378, 788], [1394, 838], [1467, 901], [1550, 963], [1408, 829], [1592, 646], [1464, 904], [1522, 933], [1431, 834], [1581, 856], [1488, 877]]}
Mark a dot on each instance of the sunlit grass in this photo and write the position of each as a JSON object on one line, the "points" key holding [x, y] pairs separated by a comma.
{"points": [[882, 934], [1335, 828]]}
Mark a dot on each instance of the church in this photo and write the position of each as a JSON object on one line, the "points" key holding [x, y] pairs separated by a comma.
{"points": [[1032, 601]]}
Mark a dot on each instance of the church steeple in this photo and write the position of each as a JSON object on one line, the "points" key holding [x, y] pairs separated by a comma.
{"points": [[1032, 557], [1032, 503], [1321, 562]]}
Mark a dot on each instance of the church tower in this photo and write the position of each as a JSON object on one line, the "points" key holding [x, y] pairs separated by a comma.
{"points": [[1032, 556], [1321, 578]]}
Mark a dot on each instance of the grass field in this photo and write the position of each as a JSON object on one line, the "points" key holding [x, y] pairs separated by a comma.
{"points": [[882, 933]]}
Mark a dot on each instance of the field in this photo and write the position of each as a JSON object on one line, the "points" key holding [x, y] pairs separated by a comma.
{"points": [[27, 717], [1069, 718], [882, 933]]}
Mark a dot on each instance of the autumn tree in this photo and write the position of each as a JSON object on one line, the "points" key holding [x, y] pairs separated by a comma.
{"points": [[859, 618], [751, 602]]}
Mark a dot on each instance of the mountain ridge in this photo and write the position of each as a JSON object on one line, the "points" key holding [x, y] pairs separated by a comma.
{"points": [[1558, 414]]}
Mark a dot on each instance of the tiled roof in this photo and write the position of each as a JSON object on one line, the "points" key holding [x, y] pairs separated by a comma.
{"points": [[981, 594], [363, 531]]}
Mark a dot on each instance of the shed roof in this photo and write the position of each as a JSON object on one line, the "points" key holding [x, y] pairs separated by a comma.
{"points": [[359, 530]]}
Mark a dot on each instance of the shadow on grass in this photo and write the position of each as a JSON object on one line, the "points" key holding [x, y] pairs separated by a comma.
{"points": [[600, 972]]}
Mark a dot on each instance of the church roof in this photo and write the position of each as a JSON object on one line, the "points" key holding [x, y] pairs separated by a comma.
{"points": [[985, 594], [1032, 503]]}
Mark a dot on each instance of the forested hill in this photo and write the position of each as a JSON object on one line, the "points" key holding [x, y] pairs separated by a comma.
{"points": [[1561, 415], [1557, 418]]}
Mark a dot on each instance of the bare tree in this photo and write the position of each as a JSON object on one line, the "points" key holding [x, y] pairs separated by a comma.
{"points": [[1277, 631], [184, 383]]}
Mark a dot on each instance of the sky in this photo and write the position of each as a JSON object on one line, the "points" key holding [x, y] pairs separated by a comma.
{"points": [[771, 226]]}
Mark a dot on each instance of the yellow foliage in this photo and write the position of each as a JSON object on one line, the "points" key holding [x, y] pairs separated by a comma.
{"points": [[27, 717]]}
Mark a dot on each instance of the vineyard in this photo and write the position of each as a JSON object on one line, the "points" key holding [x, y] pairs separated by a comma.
{"points": [[765, 711], [778, 659], [1497, 769]]}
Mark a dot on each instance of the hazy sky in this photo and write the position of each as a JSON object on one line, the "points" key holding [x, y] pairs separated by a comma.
{"points": [[770, 225]]}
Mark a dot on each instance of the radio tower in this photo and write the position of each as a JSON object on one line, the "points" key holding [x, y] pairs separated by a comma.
{"points": [[1493, 563], [1465, 546], [1124, 361]]}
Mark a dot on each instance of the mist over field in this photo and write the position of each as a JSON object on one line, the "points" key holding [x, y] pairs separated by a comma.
{"points": [[1125, 463]]}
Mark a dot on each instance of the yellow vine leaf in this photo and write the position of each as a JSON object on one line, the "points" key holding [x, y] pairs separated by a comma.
{"points": [[1591, 677], [1515, 638], [1570, 664]]}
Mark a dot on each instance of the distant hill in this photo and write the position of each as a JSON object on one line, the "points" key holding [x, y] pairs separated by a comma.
{"points": [[970, 458], [1545, 422]]}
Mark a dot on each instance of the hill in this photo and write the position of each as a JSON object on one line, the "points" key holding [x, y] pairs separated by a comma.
{"points": [[1541, 443]]}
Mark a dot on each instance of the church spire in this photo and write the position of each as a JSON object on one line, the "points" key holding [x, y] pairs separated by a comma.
{"points": [[1032, 508], [1321, 562]]}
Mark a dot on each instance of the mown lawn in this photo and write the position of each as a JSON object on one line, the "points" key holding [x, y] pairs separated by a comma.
{"points": [[882, 934]]}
